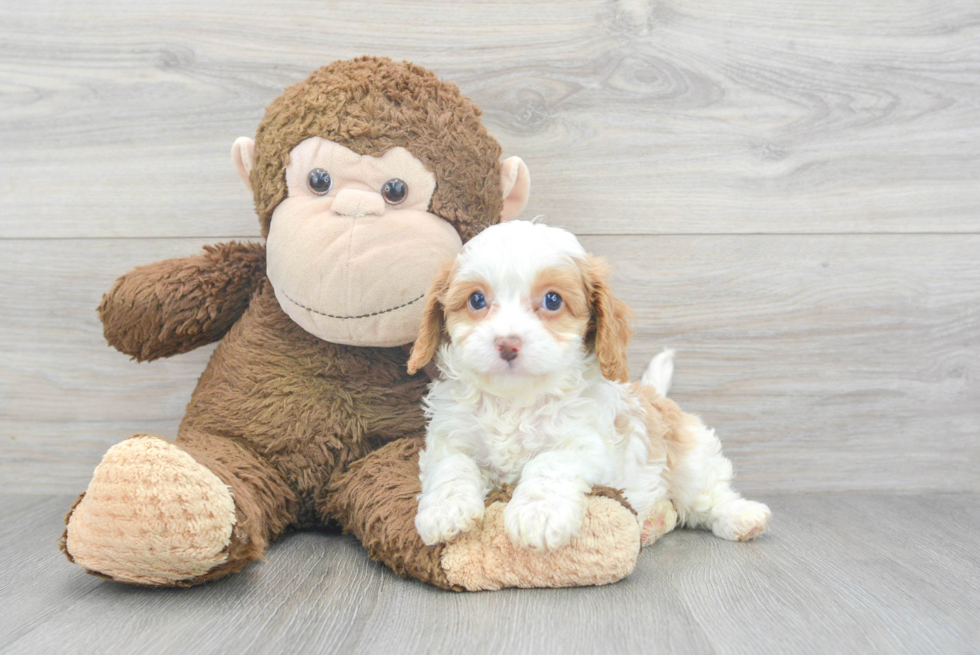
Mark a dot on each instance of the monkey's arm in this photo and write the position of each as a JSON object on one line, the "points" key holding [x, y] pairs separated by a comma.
{"points": [[176, 305]]}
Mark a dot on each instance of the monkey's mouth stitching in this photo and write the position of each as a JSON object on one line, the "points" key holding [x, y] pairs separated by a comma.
{"points": [[344, 318]]}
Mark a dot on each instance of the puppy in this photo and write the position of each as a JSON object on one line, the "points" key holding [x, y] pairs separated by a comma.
{"points": [[534, 392]]}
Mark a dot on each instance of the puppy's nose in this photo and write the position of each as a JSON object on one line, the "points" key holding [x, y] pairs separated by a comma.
{"points": [[508, 347]]}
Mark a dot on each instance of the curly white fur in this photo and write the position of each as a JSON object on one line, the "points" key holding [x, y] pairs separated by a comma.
{"points": [[548, 421]]}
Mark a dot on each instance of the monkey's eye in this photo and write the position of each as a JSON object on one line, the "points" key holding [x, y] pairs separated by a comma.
{"points": [[394, 191], [552, 301], [477, 301], [319, 181]]}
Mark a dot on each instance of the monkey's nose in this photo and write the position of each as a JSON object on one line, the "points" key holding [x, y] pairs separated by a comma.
{"points": [[357, 202], [508, 347]]}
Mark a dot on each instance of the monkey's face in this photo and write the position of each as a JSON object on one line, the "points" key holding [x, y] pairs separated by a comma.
{"points": [[353, 248]]}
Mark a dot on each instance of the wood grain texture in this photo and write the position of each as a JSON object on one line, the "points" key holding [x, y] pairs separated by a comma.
{"points": [[841, 573], [826, 363], [831, 362], [634, 117]]}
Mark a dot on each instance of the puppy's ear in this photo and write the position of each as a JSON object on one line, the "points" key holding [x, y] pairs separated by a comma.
{"points": [[433, 321], [609, 331]]}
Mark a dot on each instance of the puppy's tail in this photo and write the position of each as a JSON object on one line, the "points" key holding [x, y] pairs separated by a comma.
{"points": [[660, 372]]}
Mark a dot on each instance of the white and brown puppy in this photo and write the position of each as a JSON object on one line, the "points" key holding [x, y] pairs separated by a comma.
{"points": [[532, 348]]}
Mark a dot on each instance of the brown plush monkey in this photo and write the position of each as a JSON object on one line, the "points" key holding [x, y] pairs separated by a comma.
{"points": [[366, 176]]}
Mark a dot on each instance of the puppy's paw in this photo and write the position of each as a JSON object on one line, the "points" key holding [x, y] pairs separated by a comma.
{"points": [[439, 520], [741, 520], [543, 521], [658, 522]]}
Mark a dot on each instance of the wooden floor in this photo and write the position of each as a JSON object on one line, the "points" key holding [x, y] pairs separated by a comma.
{"points": [[837, 574]]}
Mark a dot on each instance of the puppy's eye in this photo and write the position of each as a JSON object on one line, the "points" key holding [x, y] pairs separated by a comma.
{"points": [[319, 181], [394, 191], [552, 301], [477, 301]]}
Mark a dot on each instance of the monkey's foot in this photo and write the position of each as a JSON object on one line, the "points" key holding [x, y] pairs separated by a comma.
{"points": [[661, 520], [604, 551], [152, 515]]}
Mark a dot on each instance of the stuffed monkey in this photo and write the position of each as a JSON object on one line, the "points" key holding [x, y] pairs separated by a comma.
{"points": [[366, 177]]}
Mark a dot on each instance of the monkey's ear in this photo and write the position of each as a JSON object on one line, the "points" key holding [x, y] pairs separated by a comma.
{"points": [[242, 154], [433, 321], [515, 181]]}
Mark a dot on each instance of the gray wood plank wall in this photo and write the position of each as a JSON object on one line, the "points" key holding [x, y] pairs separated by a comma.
{"points": [[790, 192]]}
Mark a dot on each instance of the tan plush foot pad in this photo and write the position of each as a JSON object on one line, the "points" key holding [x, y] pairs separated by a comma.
{"points": [[151, 515], [605, 551]]}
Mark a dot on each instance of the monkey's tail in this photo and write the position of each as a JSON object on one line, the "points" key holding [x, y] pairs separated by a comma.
{"points": [[660, 372]]}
